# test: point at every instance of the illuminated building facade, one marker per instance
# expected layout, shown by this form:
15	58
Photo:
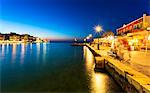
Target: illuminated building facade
27	38
17	37
14	37
136	34
1	37
140	24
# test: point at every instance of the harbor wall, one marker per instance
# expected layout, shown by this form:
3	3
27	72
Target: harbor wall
129	79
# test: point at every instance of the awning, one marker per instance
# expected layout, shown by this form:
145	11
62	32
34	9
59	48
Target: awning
139	33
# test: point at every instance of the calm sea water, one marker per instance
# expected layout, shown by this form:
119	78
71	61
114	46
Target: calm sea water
51	67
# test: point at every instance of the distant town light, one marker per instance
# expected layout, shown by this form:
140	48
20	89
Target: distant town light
75	39
90	35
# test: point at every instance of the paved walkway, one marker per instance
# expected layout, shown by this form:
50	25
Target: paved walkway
140	60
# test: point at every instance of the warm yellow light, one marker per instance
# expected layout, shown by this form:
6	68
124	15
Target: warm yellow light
130	42
84	39
23	48
14	49
98	81
111	37
98	28
149	37
134	40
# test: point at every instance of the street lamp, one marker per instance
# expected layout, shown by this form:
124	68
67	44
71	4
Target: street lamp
90	35
98	29
85	40
75	40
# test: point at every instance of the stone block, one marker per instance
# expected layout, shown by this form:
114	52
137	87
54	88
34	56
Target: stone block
99	63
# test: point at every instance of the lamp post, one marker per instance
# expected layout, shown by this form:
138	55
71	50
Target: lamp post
147	40
75	40
98	29
85	40
90	35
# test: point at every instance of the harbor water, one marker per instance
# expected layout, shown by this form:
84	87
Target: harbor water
51	67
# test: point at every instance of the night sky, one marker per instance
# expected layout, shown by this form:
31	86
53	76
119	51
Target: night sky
61	19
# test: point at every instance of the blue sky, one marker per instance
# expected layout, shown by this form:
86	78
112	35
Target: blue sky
68	18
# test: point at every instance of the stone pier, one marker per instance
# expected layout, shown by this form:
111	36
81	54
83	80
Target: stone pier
128	78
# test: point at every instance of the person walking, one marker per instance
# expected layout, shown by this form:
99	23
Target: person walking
129	54
121	53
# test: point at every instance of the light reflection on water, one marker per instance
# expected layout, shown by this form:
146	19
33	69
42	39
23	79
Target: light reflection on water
7	48
14	52
51	67
99	82
38	45
3	48
23	50
44	52
23	47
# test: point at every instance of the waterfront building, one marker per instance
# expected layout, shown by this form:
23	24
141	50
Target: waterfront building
5	36
1	37
38	40
14	37
31	38
136	33
27	38
138	25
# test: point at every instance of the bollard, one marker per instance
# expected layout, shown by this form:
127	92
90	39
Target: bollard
99	63
98	47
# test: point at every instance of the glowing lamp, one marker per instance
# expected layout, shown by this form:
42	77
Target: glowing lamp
90	35
98	28
87	37
75	39
111	37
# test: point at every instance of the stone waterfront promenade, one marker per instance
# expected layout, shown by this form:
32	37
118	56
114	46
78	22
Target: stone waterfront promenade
133	76
140	60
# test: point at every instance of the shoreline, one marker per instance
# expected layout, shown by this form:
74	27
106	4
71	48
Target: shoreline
127	77
19	42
